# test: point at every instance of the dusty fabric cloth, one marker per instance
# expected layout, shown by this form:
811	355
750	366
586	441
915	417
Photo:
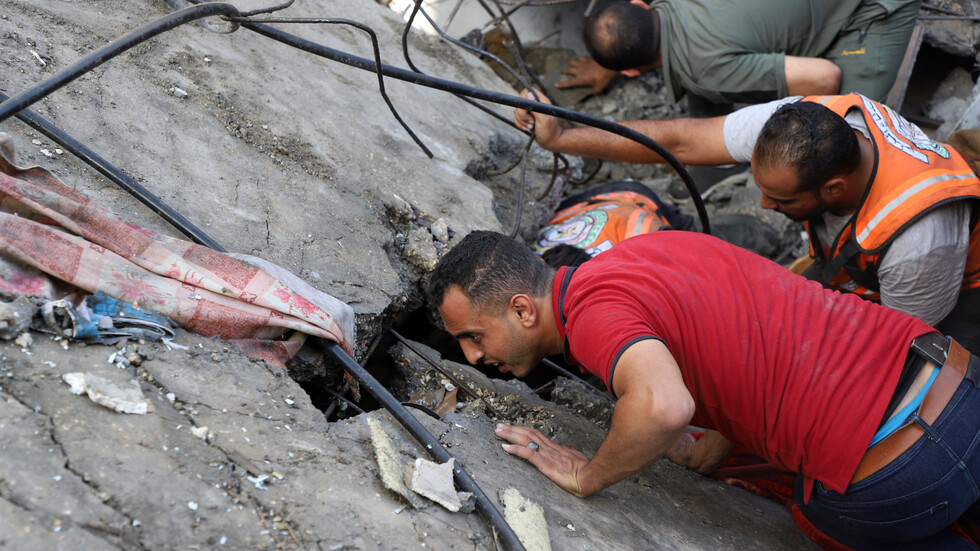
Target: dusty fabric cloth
45	226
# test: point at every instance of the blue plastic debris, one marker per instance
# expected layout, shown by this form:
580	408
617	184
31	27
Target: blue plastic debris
104	319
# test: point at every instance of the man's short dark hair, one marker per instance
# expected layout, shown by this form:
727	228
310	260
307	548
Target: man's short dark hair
815	141
622	36
489	268
565	255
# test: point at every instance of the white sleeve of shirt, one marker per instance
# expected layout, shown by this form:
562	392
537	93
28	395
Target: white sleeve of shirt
921	272
741	128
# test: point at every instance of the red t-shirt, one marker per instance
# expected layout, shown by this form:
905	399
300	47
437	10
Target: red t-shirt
798	374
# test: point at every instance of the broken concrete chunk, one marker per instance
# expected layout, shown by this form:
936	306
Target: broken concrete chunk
527	520
203	433
122	397
440	230
468	501
435	481
389	466
420	251
24	340
400	209
15	317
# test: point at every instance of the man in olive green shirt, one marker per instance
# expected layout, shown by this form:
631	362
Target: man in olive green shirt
750	51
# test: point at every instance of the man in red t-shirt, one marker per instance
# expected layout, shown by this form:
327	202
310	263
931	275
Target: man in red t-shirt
686	329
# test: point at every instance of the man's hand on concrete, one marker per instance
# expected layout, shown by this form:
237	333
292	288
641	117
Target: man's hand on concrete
700	454
546	128
587	73
562	465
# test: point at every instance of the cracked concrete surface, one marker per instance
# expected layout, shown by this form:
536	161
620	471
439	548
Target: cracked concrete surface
273	151
76	475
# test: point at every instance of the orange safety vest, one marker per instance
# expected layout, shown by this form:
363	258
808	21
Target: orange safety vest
601	222
912	176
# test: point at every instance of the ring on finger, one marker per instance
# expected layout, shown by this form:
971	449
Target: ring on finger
533	446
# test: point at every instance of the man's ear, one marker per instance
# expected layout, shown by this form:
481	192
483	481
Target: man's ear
640	3
523	307
632	73
833	189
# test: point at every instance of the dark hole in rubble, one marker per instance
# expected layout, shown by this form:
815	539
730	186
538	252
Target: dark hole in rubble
932	67
409	386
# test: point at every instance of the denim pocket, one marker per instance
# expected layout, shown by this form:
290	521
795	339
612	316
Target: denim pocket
916	526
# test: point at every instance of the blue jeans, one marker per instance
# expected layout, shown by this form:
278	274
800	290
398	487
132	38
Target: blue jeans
909	502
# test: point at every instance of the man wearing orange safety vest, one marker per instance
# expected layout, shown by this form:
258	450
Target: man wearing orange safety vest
891	214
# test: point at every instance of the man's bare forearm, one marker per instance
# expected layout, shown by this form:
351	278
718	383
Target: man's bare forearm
692	141
642	431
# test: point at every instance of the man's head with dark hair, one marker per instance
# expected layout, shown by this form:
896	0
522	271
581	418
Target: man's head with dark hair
565	255
803	147
622	36
489	268
494	296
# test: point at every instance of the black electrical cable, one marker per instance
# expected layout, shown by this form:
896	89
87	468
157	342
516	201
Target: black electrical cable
377	60
21	101
116	176
411	65
32	95
431	444
496	97
473	49
515	46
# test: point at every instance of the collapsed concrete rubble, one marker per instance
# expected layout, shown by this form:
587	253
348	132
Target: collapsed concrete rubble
275	475
296	160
